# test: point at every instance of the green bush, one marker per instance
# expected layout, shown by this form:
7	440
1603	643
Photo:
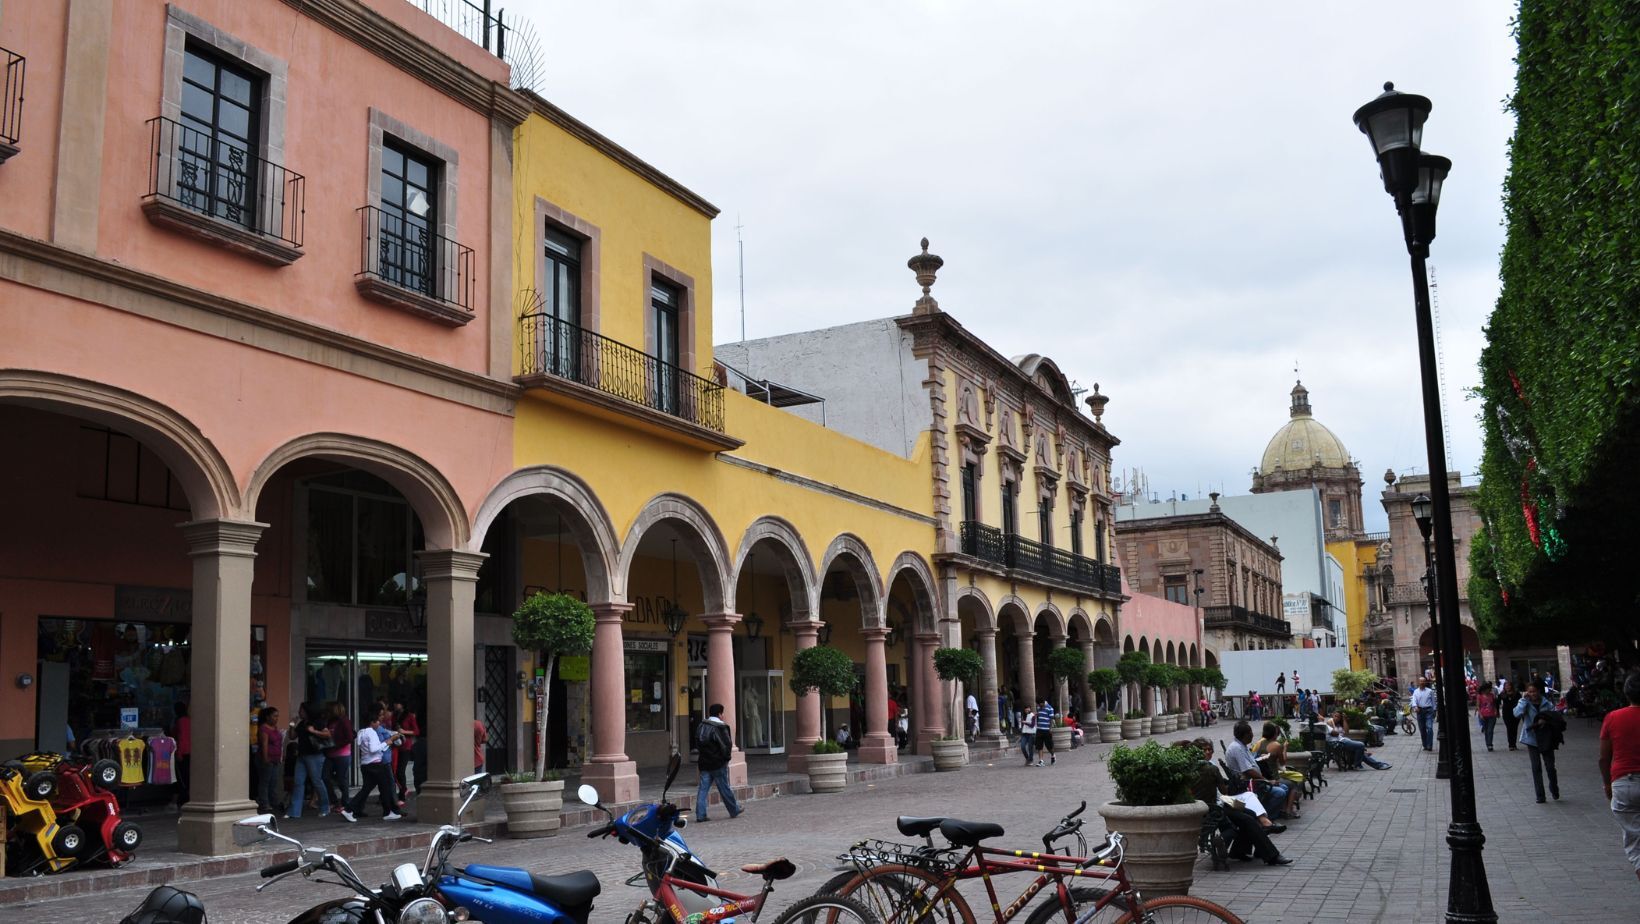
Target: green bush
1348	684
1104	680
1136	714
1213	677
1355	719
1065	663
963	666
1151	774
827	746
554	625
822	669
1282	723
1112	717
1131	667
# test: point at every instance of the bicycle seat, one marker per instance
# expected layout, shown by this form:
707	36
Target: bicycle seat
968	833
773	871
569	890
912	826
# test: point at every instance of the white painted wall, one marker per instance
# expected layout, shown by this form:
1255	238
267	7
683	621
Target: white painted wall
1257	670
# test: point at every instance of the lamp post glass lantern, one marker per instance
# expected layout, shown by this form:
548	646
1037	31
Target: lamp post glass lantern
1393	123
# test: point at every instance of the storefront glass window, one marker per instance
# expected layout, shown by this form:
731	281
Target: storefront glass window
330	552
646	684
361	539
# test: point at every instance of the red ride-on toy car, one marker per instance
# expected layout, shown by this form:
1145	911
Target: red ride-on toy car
82	796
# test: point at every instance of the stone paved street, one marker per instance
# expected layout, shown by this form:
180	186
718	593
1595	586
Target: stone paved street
1370	847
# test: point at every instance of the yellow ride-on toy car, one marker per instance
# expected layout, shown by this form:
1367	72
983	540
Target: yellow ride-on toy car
37	843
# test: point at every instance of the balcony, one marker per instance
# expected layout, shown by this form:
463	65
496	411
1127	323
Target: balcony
221	193
1240	617
1044	562
11	105
611	379
405	265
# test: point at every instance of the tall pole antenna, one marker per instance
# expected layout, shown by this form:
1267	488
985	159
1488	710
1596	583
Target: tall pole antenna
741	244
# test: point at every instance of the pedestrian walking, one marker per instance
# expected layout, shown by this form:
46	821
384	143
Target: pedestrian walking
182	731
1027	736
715	744
404	755
270	761
480	736
310	738
972	714
1508	698
374	767
1423	703
1540	732
1486	709
1255	707
1620	766
1044	732
339	756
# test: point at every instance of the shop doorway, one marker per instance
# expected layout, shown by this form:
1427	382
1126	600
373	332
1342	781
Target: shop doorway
356	676
496	699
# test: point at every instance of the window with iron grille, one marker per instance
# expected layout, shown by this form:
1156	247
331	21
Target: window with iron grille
216	155
561	300
664	300
409	217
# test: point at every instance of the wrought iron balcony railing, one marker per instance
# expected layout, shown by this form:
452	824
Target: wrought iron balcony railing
1021	554
212	177
1240	617
411	257
559	348
11	103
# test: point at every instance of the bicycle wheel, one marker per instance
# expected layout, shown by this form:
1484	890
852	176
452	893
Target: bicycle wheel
900	894
1083	898
1179	909
826	909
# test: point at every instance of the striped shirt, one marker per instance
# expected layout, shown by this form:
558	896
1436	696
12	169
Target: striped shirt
1044	718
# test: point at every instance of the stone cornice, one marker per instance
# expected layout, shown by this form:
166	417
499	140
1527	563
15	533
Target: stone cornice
940	325
404	49
123	288
603	145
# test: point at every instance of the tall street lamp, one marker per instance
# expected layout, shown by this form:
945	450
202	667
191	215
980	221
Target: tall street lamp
1423	511
1394	124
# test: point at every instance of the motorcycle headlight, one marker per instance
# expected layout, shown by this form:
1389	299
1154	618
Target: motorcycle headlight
424	911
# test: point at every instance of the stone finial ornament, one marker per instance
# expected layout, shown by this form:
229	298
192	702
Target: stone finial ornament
1389	476
1096	403
925	265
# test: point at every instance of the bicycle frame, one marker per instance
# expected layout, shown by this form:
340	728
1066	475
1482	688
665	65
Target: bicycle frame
1052	868
734	904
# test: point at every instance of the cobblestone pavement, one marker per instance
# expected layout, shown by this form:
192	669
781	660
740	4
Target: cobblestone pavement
1370	848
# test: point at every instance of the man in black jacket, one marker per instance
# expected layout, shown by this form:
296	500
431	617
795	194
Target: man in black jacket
714	744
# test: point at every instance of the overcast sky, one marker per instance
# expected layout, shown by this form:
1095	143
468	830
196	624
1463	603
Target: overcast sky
1169	199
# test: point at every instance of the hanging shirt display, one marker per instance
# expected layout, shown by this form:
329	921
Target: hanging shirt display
161	762
131	752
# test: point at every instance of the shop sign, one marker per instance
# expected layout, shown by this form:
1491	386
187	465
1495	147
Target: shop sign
128	717
647	611
697	650
575	668
648	644
390	624
153	604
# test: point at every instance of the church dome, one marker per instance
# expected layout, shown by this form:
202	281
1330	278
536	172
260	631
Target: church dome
1303	442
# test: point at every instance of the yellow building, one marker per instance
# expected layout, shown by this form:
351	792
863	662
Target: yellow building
1359	558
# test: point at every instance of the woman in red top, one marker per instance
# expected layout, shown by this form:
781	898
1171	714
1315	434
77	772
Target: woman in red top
402	753
1486	706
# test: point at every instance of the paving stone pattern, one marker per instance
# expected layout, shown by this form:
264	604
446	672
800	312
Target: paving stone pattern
1370	848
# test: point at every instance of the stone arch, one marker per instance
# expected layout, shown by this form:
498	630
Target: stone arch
1156	650
1127	644
1056	618
590	524
797	565
1012	607
1079	621
1195	656
1172	656
1144	645
989	620
443	520
194	460
1104	632
922	588
868	581
700	536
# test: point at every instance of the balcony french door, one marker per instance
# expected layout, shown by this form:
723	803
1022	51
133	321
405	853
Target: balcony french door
216	160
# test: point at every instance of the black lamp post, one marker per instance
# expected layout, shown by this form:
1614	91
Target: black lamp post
1423	513
1394	124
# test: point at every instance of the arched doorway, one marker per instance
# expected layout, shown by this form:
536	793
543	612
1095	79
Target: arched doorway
1080	637
1471	650
774	584
1049	631
1016	668
996	703
850	615
911	623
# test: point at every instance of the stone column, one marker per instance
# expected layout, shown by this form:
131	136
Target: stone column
450	577
721	686
1027	671
223	553
935	705
609	769
990	731
877	747
807	634
1090	709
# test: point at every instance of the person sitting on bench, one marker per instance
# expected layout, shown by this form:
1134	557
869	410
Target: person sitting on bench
1355	752
1282	797
1252	830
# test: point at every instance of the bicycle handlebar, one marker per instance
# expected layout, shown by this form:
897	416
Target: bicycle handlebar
279	869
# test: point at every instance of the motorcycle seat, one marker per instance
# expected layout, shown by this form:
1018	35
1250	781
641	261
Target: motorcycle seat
571	890
968	833
912	826
774	870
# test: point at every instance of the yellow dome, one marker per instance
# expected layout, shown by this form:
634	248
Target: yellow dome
1303	442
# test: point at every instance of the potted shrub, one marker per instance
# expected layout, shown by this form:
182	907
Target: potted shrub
1064	664
827	766
1130	670
552	626
1159	677
1155	811
1110	727
830	673
960	667
1355	721
534	805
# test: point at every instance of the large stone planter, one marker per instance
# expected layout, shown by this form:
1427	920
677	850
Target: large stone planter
1354	735
950	754
829	772
1160	724
1133	729
1110	731
1161	844
1062	736
1177	720
1298	760
533	809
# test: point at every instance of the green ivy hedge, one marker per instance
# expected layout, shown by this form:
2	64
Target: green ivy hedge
1560	373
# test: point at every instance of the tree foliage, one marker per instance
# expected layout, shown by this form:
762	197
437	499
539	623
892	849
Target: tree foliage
1104	680
823	669
1131	667
1560	373
553	625
1065	663
1348	684
962	665
1153	775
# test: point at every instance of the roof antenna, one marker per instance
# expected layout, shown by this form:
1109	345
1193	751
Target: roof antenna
741	244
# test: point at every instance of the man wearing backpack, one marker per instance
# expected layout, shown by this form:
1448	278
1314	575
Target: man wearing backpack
1540	731
714	744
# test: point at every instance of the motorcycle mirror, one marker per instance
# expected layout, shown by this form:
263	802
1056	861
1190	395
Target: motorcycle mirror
672	767
587	793
257	821
477	779
254	830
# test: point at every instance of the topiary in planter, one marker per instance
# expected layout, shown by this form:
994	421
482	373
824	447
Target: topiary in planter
824	670
960	666
552	625
1157	815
